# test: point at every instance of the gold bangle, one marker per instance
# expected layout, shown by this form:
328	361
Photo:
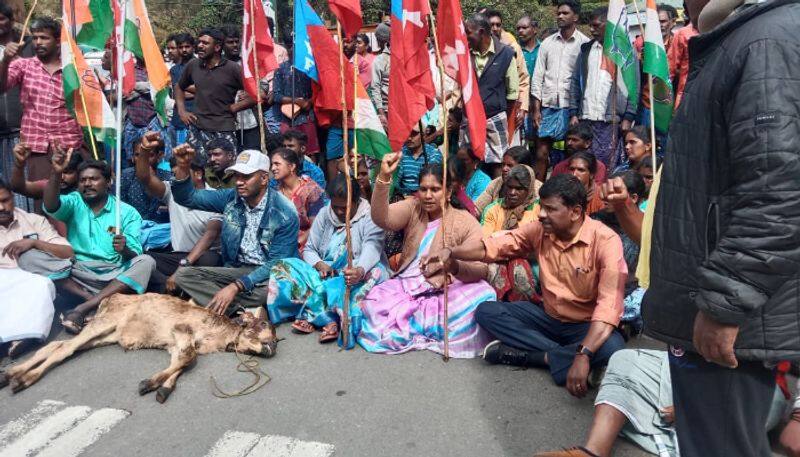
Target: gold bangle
380	181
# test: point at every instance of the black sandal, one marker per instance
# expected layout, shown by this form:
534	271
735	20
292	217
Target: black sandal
73	322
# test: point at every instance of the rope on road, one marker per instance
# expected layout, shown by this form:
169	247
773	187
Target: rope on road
250	365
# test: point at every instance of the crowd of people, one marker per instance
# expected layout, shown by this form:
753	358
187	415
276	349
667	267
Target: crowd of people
544	243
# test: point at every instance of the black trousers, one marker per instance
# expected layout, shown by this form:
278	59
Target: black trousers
721	411
167	264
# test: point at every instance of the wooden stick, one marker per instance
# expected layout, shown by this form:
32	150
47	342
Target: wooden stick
254	53
25	24
348	237
445	147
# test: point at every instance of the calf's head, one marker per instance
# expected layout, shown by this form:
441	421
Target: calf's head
256	338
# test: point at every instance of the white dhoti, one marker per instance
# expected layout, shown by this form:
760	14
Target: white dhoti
26	305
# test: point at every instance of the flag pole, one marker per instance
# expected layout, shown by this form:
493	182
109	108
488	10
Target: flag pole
118	149
254	53
345	330
25	24
445	151
650	84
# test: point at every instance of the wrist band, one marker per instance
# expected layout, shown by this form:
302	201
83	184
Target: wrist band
380	181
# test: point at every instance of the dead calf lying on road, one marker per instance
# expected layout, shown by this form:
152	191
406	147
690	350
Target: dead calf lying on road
151	321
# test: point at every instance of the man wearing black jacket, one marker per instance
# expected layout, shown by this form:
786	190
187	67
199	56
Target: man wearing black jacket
725	248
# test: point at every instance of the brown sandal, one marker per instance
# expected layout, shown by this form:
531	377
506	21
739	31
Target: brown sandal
302	327
330	333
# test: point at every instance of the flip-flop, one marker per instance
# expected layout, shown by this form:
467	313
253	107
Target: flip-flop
73	322
302	327
329	333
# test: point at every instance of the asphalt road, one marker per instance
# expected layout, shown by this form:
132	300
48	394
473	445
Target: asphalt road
361	404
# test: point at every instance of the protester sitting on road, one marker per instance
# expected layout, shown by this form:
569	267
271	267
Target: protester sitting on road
635	402
311	291
35	189
306	195
647	171
583	166
476	179
194	234
517	155
31	255
637	147
221	156
582	271
415	156
108	259
579	139
404	313
632	315
513	278
296	141
259	227
134	193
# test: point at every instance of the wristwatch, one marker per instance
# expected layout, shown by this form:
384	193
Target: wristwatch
585	351
184	262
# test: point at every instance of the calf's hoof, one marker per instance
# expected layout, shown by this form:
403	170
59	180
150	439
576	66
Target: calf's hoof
17	386
3	379
163	393
145	387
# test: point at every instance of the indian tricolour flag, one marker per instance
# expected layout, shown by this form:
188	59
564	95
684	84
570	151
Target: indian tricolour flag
618	48
370	136
83	93
655	63
140	41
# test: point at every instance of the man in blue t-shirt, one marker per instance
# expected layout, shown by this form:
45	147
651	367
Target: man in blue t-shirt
415	156
184	43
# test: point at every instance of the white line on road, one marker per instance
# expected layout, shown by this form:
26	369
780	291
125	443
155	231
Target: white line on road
237	444
20	426
234	444
72	443
46	431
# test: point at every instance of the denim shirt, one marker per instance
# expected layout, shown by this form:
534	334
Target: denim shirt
277	233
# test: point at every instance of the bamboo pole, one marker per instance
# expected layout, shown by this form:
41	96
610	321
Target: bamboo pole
650	85
443	92
118	152
25	24
254	53
349	240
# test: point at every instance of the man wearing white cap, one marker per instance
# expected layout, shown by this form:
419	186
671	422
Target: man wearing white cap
260	226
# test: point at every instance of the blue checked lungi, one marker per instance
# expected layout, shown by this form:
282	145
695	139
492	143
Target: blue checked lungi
555	122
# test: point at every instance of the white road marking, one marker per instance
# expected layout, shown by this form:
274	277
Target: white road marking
46	431
234	444
73	443
20	426
237	444
52	429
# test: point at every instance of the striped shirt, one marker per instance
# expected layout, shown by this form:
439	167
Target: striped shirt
44	111
410	167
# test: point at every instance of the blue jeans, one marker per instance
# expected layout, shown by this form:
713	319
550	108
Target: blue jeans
527	326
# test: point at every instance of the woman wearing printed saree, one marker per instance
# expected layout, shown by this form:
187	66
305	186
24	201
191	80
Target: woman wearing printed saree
311	291
405	313
306	194
513	280
518	155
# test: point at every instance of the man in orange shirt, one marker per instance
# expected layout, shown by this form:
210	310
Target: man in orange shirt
583	273
678	57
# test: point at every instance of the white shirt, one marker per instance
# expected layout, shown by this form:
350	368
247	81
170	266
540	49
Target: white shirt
554	67
186	225
598	86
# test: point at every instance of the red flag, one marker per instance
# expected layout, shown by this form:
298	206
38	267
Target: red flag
328	92
411	90
454	49
256	46
349	14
